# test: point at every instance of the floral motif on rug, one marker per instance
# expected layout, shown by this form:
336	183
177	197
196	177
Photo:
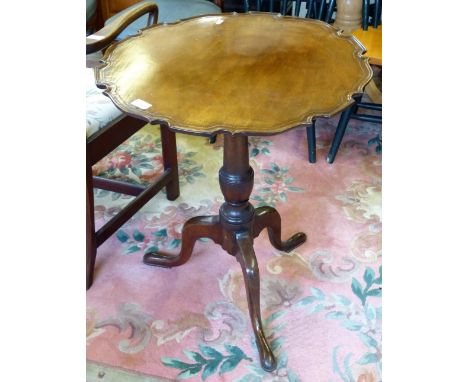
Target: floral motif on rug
321	303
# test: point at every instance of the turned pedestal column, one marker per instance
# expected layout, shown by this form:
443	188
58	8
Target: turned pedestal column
237	224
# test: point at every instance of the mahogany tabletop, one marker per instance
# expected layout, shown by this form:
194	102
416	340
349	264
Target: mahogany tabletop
255	73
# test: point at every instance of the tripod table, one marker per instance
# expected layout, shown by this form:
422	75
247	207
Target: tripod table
237	75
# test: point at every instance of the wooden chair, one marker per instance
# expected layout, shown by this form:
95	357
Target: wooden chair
107	128
316	9
372	40
371	14
169	11
352	113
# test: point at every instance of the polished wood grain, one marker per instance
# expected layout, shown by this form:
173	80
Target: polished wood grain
253	73
371	39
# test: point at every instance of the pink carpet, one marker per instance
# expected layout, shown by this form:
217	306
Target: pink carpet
321	303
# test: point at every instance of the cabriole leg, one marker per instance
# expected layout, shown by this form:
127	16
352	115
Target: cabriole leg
195	228
249	265
268	217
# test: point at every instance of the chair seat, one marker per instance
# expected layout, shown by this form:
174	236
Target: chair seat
170	11
100	111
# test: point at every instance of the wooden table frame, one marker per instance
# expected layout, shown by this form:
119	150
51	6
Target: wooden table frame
238	223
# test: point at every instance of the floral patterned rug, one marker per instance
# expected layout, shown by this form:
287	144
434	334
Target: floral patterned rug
321	304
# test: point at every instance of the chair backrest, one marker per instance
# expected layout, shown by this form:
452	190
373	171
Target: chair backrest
324	10
316	9
371	13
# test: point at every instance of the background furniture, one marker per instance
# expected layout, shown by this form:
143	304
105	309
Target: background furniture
107	127
91	15
352	113
315	9
237	91
371	13
112	7
169	11
348	15
372	40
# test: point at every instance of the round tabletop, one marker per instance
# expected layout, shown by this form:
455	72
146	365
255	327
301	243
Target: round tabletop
256	73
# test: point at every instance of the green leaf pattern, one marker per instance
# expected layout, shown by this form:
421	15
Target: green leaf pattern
207	360
359	316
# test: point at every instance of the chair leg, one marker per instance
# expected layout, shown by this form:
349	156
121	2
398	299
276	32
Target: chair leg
91	247
365	14
169	151
377	12
311	144
340	130
331	9
213	138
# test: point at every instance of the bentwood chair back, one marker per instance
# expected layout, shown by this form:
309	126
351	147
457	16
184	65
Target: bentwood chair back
169	12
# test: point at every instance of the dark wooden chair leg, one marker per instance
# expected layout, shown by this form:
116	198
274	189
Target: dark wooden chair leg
248	261
194	228
91	246
321	10
377	12
213	139
340	130
330	10
283	7
169	151
268	217
311	144
365	14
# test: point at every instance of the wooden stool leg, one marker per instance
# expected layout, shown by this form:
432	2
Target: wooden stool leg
91	247
248	261
169	152
311	144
